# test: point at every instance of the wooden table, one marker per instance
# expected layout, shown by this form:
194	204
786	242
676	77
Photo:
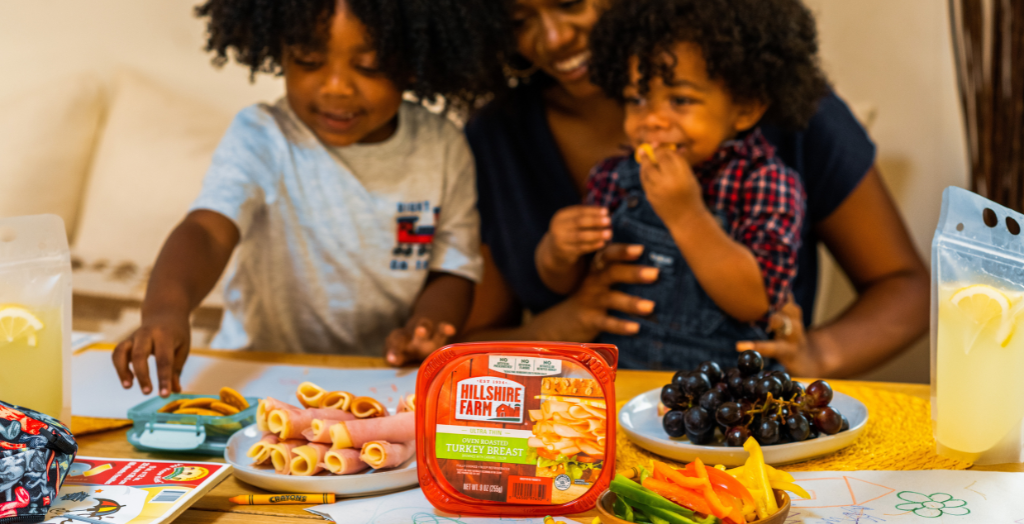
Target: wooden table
215	508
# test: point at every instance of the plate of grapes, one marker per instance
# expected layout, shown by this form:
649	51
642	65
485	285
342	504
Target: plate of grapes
709	412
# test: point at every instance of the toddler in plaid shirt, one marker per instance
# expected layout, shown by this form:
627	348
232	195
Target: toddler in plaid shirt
716	211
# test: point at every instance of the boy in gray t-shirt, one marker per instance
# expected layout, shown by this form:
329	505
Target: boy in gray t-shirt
352	213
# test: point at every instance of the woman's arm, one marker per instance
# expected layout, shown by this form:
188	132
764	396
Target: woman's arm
867	237
497	315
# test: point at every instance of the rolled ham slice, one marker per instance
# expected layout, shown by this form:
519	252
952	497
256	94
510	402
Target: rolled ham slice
281	455
407	403
337	400
366	407
265	407
309	394
309	459
290	423
355	433
260	451
344	461
320	429
379	454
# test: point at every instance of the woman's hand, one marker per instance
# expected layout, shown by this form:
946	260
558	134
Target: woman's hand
584	315
790	346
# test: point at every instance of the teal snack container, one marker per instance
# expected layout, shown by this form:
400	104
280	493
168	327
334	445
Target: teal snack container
196	434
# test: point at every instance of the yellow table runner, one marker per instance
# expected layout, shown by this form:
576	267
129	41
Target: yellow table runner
898	437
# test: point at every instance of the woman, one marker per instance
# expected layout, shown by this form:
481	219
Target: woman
535	146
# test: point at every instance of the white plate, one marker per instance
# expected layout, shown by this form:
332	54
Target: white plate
639	419
366	483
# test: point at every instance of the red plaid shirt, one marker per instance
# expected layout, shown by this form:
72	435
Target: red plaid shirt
760	199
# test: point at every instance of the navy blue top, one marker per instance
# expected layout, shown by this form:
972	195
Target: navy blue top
522	181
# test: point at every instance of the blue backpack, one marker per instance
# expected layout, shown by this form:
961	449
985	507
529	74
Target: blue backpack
36	452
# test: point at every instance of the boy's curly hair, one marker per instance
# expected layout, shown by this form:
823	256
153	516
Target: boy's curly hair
430	47
764	50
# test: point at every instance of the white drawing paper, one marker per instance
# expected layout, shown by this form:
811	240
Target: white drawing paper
97	392
404	507
937	496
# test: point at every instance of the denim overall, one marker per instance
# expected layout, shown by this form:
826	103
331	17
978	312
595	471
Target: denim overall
686	326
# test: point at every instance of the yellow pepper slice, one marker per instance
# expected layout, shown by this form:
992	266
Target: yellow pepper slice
791	487
758	473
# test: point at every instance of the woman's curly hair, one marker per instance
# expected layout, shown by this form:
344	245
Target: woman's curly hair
429	47
764	50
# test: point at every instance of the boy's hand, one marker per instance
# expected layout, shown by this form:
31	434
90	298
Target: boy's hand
578	230
416	340
669	183
168	337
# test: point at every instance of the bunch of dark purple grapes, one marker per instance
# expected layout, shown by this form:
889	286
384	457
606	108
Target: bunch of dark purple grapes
708	405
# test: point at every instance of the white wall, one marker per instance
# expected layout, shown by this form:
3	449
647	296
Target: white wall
897	58
892	57
45	40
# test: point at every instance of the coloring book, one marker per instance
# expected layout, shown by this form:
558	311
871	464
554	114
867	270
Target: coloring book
123	491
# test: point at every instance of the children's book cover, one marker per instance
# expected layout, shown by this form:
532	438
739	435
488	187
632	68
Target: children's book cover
123	491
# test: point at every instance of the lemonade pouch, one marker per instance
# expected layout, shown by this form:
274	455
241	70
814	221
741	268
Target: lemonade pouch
35	315
977	330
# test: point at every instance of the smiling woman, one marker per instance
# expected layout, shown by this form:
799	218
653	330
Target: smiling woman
536	144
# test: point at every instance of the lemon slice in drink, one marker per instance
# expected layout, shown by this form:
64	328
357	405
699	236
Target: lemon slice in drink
17	322
982	304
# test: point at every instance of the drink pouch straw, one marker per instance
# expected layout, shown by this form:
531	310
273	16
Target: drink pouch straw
977	330
35	315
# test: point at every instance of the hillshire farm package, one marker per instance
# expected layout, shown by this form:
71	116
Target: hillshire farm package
509	428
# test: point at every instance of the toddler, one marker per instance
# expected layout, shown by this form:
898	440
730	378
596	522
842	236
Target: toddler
715	210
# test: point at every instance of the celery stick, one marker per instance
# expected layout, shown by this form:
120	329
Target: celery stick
622	510
670	516
624	487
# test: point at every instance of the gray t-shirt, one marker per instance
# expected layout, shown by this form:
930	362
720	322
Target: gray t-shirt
336	243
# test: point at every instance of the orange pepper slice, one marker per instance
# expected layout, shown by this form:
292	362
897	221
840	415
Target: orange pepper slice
721	511
687	498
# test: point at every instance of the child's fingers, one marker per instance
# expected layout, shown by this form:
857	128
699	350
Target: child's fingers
121	358
397	344
142	347
441	336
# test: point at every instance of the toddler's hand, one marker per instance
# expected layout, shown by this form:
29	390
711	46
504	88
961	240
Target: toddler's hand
168	337
415	341
669	183
578	230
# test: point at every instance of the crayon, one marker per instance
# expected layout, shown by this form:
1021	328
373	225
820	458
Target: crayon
285	498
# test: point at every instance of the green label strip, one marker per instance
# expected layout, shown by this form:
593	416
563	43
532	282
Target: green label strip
485	449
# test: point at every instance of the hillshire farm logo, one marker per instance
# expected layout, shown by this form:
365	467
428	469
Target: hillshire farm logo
490	399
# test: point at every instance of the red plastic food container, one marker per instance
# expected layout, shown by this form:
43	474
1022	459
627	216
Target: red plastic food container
516	428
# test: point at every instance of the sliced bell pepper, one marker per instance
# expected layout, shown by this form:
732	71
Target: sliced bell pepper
683	496
676	477
791	487
736	515
725	481
720	510
759	475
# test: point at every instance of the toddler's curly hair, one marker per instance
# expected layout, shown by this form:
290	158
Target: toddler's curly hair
429	47
764	50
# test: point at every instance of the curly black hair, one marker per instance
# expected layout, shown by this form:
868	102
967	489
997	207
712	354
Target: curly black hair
764	50
429	47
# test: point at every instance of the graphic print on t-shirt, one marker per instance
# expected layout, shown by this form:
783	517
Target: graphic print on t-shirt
415	224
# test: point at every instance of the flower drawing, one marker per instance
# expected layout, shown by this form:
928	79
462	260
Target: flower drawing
932	506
